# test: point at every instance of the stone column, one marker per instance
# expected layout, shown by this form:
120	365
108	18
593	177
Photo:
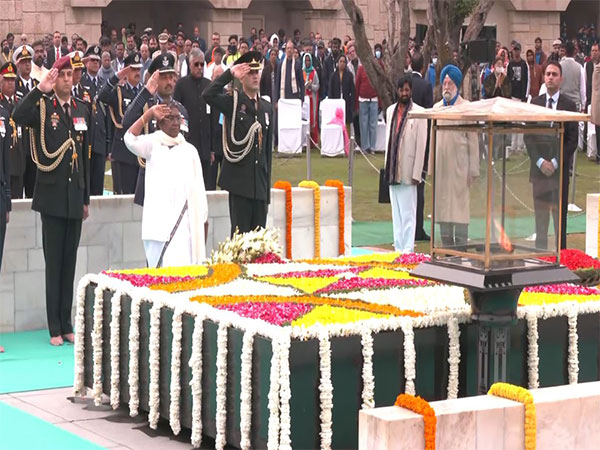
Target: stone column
226	18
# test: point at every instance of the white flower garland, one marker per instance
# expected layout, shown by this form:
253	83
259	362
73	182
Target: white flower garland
79	350
368	391
533	359
573	360
410	357
274	403
221	413
285	392
154	385
246	390
453	357
97	344
195	364
134	355
175	389
115	355
326	390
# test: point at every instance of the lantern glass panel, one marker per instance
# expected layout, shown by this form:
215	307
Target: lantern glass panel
497	194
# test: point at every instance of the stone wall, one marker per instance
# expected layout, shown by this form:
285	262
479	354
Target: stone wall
111	239
566	418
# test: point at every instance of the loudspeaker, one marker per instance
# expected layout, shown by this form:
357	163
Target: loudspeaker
480	50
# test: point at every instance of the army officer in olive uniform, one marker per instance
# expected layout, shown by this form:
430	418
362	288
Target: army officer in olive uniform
248	119
59	123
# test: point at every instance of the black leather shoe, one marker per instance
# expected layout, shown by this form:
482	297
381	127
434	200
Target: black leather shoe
423	237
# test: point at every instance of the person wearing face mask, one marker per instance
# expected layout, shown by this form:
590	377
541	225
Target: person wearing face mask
497	83
378	51
406	140
430	76
232	51
456	167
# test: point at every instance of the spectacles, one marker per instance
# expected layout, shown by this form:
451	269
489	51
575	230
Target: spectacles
197	64
173	118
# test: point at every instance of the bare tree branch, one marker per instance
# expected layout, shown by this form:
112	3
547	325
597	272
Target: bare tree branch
477	20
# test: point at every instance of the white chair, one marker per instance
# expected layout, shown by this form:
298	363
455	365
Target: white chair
380	143
289	125
591	137
332	136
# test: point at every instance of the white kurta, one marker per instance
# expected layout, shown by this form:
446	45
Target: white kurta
173	176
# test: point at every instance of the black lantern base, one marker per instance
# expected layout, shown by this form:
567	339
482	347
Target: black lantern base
494	296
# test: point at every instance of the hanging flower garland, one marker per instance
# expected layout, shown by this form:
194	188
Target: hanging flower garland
175	388
368	392
453	357
573	358
115	356
153	388
195	363
533	359
287	187
317	200
246	391
97	344
221	390
410	357
325	390
341	213
521	395
134	356
421	406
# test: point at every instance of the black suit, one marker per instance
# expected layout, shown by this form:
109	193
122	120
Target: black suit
15	151
249	180
545	188
329	67
188	91
51	56
124	164
87	90
5	148
60	195
422	95
297	68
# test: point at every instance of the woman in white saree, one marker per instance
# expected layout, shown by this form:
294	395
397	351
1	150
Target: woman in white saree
174	219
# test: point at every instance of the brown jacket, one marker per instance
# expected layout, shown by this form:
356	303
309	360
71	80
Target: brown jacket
596	96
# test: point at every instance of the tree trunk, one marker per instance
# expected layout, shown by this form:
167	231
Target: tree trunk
383	79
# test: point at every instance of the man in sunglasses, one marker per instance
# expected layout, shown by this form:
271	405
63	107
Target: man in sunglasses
158	89
188	91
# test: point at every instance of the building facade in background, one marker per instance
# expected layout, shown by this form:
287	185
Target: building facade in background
522	20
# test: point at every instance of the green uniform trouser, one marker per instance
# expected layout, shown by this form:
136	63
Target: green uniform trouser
246	213
60	239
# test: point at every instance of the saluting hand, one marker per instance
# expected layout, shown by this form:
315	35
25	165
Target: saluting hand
239	71
159	112
152	83
48	80
122	74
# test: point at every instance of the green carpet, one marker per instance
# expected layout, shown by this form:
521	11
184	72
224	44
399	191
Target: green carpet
376	233
30	363
20	430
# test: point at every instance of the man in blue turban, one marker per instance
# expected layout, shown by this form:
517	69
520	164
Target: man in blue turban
456	167
451	79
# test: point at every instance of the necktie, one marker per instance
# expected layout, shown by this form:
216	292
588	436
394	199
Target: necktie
550	102
74	92
67	115
57	53
95	82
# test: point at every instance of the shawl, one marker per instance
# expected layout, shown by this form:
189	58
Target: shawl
391	164
283	74
339	120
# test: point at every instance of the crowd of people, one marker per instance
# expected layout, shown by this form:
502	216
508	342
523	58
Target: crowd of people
156	103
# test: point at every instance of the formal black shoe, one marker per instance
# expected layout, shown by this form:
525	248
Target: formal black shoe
423	237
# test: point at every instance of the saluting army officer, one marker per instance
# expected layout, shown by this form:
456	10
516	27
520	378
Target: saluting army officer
25	83
91	83
118	92
247	137
59	123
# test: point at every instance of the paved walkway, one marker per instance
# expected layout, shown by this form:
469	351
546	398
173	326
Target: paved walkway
101	425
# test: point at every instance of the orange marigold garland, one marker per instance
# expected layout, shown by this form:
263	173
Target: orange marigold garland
521	395
341	211
421	406
317	196
217	274
287	187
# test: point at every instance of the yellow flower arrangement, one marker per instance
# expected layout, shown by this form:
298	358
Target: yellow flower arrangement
326	314
543	298
183	271
382	272
308	285
218	274
317	196
521	395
